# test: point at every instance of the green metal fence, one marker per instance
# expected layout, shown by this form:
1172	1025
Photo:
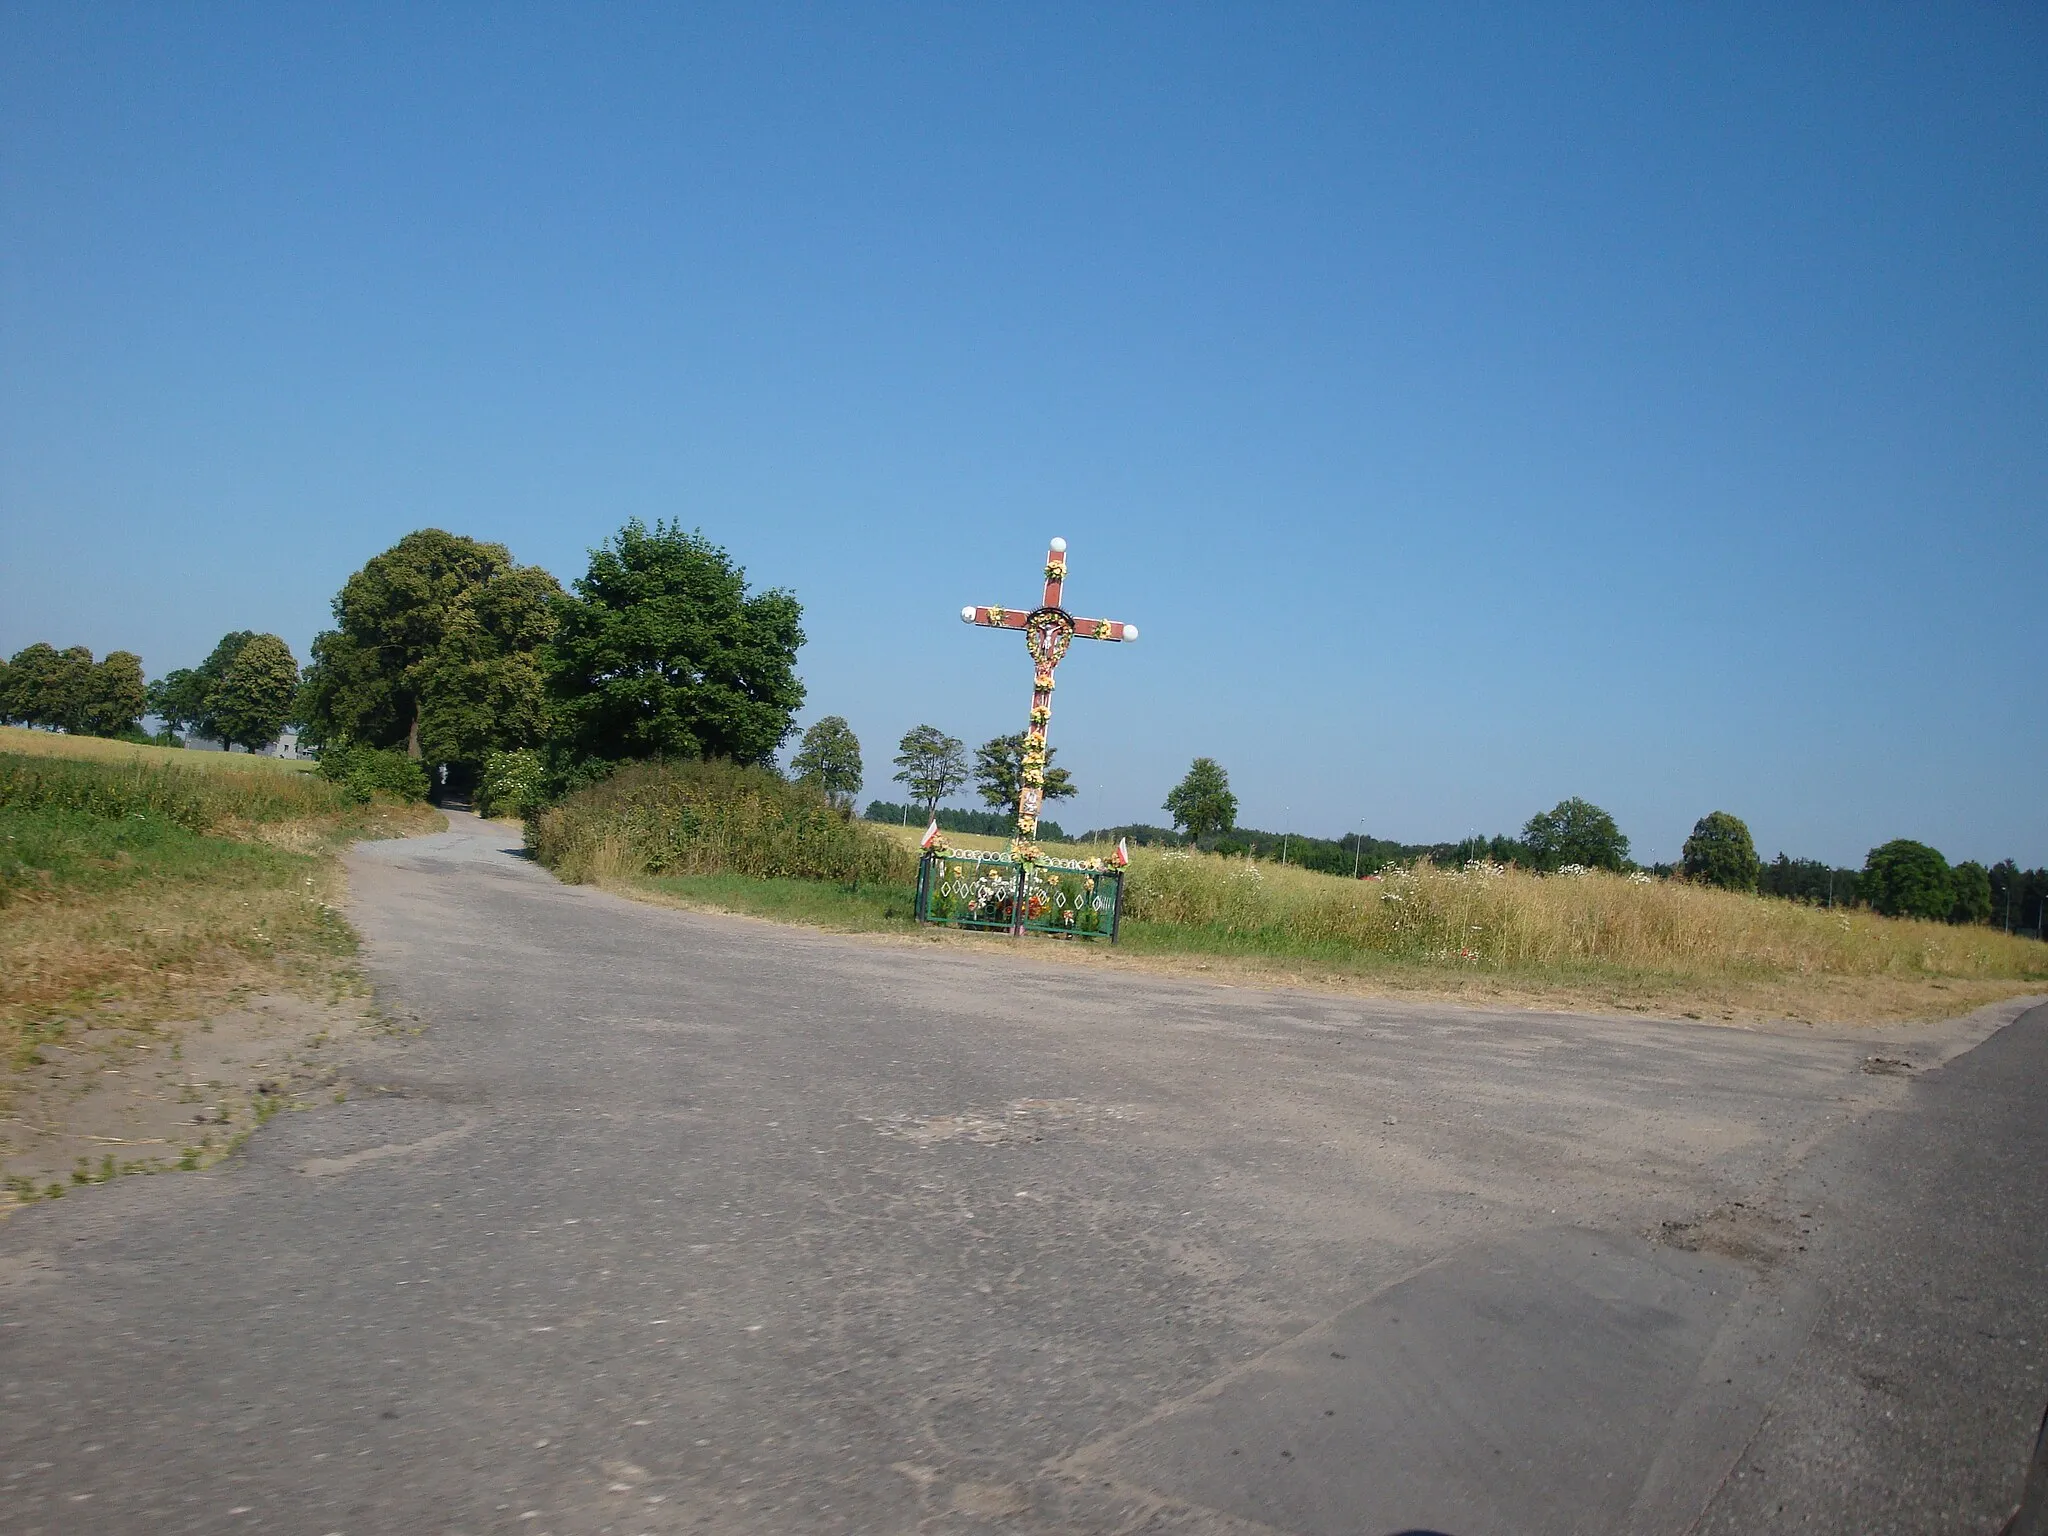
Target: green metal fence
995	893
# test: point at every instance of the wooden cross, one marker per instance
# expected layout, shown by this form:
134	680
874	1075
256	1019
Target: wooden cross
1048	630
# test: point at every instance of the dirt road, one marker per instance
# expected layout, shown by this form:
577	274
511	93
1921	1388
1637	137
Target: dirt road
655	1222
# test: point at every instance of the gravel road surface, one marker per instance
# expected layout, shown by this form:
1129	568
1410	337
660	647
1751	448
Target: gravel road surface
649	1221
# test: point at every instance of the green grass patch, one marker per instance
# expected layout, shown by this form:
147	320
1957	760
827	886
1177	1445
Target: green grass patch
196	799
164	888
56	852
815	903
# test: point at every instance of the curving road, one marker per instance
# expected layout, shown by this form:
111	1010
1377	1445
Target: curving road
649	1221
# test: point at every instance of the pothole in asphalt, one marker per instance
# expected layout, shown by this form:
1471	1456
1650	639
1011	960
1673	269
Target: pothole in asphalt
1022	1120
1734	1231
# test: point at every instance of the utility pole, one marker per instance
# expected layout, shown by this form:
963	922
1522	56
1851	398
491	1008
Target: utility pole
1357	850
1286	815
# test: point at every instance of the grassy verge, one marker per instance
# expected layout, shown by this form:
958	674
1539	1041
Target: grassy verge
1215	954
1726	995
1484	936
140	887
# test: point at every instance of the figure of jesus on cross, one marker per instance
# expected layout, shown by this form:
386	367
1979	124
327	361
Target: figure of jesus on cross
1048	630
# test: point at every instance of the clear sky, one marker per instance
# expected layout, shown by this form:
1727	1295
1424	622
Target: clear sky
1472	406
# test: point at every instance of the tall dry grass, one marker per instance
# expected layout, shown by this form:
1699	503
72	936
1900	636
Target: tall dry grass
1486	917
21	741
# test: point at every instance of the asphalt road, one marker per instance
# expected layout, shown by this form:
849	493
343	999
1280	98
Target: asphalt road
656	1222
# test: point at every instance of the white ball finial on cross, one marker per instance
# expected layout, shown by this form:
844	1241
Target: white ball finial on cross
1059	546
1130	631
966	615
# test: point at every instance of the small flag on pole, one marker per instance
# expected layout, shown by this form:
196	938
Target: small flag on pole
1122	856
931	834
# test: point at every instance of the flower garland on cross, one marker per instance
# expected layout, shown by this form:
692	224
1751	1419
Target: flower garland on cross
1048	630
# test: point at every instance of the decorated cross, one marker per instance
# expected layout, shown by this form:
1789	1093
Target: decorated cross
1048	630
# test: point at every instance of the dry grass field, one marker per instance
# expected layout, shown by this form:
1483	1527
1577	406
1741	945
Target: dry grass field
21	742
142	883
1487	933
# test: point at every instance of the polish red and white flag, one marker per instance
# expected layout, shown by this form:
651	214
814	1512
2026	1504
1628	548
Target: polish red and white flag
931	834
1122	856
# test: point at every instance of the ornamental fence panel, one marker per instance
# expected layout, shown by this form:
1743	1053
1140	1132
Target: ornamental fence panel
1004	895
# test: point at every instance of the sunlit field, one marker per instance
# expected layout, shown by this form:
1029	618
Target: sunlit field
1628	941
152	881
28	743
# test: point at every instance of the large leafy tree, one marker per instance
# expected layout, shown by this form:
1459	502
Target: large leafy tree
436	650
178	698
34	684
185	699
1972	886
1903	878
829	757
930	764
999	773
662	651
209	673
1201	804
116	699
1575	831
68	688
1721	852
253	698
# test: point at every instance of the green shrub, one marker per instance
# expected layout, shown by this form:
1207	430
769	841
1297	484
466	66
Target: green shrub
513	784
704	818
361	770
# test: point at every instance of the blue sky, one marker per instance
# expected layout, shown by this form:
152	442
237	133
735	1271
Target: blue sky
1473	406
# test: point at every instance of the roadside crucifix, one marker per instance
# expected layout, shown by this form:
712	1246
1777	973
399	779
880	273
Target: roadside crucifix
1048	630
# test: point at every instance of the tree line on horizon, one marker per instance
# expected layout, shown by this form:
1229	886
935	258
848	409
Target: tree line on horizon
446	651
954	819
1900	878
242	695
67	690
